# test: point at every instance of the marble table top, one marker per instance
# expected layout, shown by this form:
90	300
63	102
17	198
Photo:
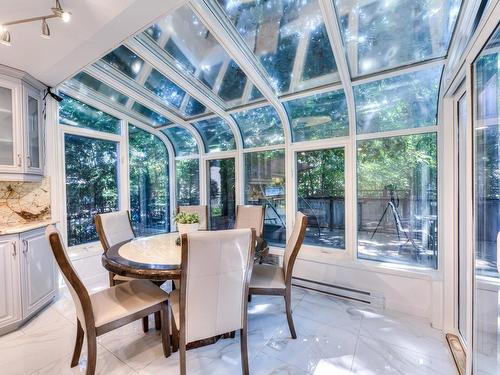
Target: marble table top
160	249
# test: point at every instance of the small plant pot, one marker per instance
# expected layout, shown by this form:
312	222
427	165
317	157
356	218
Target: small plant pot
187	228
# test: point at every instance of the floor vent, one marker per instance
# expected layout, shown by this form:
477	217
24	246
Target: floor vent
361	296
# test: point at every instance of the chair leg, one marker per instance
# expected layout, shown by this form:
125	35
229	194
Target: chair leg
175	336
78	344
244	351
91	353
288	306
182	354
145	324
111	279
165	329
157	320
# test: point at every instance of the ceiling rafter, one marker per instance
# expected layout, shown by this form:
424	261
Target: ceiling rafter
226	34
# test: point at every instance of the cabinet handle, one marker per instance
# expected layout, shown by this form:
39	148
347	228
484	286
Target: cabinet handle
19	160
26	247
29	160
14	248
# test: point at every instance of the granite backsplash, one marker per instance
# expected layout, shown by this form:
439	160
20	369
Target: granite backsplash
24	202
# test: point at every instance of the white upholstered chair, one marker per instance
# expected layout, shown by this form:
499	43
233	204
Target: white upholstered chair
212	299
201	210
274	280
248	216
108	309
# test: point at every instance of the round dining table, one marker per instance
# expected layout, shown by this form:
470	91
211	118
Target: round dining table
155	258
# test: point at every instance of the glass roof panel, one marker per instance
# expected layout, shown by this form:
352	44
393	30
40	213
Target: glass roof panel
96	85
184	37
125	61
183	141
404	101
318	116
216	135
153	118
289	38
384	34
260	127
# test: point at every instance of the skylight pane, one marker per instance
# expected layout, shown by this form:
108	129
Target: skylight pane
278	32
216	135
318	116
384	34
404	101
186	39
260	127
152	117
165	89
125	61
96	85
183	141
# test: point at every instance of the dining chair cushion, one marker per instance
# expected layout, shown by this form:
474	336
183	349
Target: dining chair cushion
116	227
124	300
266	276
250	217
201	210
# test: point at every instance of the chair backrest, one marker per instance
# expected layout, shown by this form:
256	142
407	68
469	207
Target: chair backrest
293	245
216	271
201	210
113	228
76	288
250	217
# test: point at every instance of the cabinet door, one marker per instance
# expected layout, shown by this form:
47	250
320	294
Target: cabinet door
33	131
10	150
10	289
39	276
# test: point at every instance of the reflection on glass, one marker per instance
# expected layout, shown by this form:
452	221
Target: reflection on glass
101	87
187	172
397	200
34	133
321	196
318	116
260	127
153	118
125	61
486	158
148	172
195	50
382	34
216	135
91	184
278	32
182	140
221	190
404	101
265	186
75	113
6	127
164	88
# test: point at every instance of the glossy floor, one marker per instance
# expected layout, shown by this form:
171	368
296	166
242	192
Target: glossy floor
335	337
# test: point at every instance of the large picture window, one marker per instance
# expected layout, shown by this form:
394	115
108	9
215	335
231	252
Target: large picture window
321	196
222	200
265	185
397	200
187	174
91	184
149	194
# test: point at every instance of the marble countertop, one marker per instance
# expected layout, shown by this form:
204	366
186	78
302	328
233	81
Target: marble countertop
20	228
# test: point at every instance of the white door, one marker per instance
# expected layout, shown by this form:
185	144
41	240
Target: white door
39	276
10	289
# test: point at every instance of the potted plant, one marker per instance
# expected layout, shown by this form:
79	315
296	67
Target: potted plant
187	222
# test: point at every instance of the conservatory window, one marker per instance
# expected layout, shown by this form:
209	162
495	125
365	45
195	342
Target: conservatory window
100	87
380	35
285	35
318	116
182	140
260	127
125	61
91	184
222	194
151	117
76	113
397	200
149	185
187	172
265	186
321	196
405	101
216	135
164	88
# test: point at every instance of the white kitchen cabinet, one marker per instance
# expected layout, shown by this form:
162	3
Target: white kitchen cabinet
10	288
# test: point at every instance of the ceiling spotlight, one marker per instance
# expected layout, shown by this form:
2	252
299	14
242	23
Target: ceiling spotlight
4	37
59	12
45	30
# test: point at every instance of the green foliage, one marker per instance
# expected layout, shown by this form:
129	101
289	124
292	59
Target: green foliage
187	218
188	181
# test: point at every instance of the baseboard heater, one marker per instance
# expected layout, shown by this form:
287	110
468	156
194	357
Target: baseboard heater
369	298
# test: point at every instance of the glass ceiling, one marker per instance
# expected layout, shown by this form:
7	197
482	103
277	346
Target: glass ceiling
293	52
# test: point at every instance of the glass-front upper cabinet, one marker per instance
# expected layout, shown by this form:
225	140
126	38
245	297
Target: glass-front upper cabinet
8	156
33	131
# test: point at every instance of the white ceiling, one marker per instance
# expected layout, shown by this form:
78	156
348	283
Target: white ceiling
96	27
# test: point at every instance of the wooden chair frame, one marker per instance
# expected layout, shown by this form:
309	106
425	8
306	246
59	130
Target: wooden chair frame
92	331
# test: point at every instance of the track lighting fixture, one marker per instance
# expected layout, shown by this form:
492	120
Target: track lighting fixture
57	12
